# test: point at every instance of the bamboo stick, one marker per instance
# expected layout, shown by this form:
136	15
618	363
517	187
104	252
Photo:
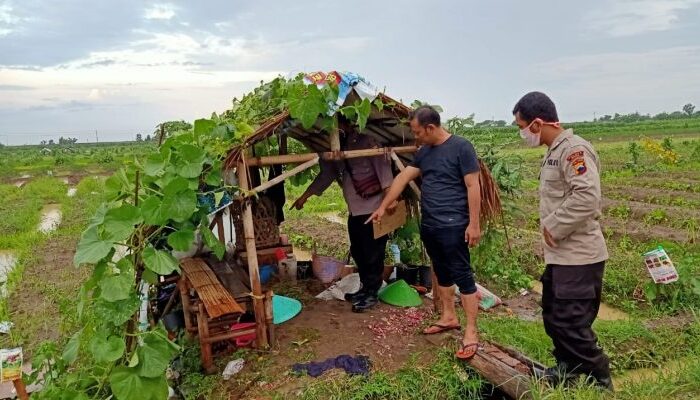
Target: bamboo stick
274	181
253	271
328	155
401	167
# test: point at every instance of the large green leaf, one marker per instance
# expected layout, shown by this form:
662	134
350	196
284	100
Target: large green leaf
155	354
181	206
127	384
192	154
117	312
91	248
159	261
181	240
70	352
118	287
152	211
214	176
106	349
119	222
363	111
176	185
203	127
212	242
306	103
119	183
189	170
154	165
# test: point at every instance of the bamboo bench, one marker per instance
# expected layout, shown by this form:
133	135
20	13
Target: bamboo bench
208	307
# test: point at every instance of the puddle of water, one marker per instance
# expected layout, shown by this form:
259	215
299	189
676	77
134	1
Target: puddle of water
71	192
650	374
50	218
605	313
7	264
301	254
334	217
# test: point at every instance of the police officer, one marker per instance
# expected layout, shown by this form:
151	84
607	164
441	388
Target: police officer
574	246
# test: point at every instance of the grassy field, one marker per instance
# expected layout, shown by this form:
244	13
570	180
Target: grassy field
649	201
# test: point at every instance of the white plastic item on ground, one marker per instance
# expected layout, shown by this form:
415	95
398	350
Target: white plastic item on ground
486	298
5	326
232	368
349	284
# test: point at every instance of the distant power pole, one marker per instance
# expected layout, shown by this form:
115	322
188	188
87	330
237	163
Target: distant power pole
97	138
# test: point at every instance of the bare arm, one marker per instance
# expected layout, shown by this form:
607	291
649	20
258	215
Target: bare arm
397	187
473	232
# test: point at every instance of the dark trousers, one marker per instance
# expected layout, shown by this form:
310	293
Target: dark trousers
449	254
570	303
367	252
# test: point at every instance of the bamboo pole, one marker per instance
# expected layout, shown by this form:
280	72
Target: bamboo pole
401	167
328	155
269	317
334	139
276	180
253	271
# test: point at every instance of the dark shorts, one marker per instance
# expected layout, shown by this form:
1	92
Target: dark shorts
450	256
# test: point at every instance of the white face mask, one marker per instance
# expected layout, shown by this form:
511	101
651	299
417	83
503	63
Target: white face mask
530	139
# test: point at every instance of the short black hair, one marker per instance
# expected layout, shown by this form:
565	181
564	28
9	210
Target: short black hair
536	105
425	115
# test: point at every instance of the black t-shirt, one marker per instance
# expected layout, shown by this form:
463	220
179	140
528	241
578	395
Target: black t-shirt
443	191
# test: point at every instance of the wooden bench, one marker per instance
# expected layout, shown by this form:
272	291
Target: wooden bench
209	308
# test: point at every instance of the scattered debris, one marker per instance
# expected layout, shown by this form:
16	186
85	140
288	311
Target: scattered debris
400	321
5	326
71	192
232	368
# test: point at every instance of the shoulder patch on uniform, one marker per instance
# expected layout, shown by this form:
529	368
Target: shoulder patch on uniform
575	155
579	166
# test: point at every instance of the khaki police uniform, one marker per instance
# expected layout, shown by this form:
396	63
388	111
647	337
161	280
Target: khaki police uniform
570	205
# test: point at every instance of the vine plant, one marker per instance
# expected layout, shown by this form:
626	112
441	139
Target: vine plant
153	209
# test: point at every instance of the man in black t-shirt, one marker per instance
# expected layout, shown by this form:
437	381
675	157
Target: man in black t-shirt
450	206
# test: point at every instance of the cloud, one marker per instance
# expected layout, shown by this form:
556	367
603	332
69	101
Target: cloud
8	19
623	81
160	11
15	87
633	17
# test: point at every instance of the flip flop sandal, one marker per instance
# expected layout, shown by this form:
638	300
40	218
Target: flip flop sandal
467	351
441	328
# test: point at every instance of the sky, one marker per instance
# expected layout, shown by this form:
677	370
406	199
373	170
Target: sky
112	68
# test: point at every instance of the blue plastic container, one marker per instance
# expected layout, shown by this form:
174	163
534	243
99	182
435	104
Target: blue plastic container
266	272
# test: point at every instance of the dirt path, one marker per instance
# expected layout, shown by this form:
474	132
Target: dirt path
43	303
325	329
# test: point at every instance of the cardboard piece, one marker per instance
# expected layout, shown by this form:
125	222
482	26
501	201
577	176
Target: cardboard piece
391	222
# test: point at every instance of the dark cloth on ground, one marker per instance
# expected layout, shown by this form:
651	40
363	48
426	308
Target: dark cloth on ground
450	256
358	365
570	302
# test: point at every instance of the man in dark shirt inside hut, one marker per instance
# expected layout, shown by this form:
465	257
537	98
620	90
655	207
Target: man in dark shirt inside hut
450	206
364	181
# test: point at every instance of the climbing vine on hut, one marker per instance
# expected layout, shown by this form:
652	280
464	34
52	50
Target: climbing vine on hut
156	205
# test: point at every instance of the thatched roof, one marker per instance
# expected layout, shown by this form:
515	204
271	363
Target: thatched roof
389	127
